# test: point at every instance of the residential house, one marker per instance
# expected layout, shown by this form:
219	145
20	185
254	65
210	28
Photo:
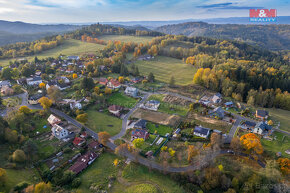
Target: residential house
72	103
205	100
145	57
217	112
201	131
152	105
249	125
139	133
59	132
140	124
114	84
33	100
5	83
229	104
136	80
103	81
34	81
38	73
78	141
83	162
52	120
262	114
94	145
262	128
73	57
21	81
6	91
217	98
115	110
131	91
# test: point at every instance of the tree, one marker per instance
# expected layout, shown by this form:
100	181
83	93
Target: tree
215	140
11	135
74	76
97	90
83	118
172	81
6	74
30	148
103	137
251	143
87	83
284	164
42	187
25	110
236	144
191	152
137	143
54	94
42	85
121	79
108	91
45	102
76	182
19	156
3	177
171	152
151	77
270	122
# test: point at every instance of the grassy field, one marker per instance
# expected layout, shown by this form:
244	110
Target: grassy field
16	176
123	38
103	122
161	129
279	145
282	116
69	47
98	172
122	100
12	101
164	67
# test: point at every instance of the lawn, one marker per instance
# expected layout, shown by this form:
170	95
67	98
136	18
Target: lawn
69	47
16	176
12	101
282	116
164	67
124	38
102	122
279	145
98	172
46	147
122	100
161	129
138	173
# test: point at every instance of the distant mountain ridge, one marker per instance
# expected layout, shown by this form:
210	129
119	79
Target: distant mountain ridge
273	37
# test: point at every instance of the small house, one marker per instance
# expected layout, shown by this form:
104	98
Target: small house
34	81
229	104
5	83
262	128
6	91
78	141
262	114
217	98
115	110
83	162
33	100
140	124
94	145
73	57
103	81
217	112
139	133
136	80
131	91
152	105
248	125
114	84
52	120
59	132
201	131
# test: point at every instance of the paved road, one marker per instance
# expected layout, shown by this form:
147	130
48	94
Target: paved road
125	119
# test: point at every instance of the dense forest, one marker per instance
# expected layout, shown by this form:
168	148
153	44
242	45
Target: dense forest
274	37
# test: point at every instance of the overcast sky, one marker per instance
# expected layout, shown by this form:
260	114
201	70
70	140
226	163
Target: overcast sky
81	11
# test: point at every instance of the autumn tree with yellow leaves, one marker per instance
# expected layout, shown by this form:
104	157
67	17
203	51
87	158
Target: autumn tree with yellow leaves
251	143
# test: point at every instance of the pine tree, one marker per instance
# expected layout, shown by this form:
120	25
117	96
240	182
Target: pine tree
172	81
151	77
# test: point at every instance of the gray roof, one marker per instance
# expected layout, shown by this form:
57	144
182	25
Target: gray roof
201	130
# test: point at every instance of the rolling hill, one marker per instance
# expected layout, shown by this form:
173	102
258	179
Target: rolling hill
273	37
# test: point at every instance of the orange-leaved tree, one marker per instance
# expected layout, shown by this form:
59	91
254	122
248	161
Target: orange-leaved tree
284	164
251	143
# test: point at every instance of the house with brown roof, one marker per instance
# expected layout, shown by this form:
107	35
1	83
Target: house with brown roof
115	110
78	141
262	114
83	162
114	84
6	91
139	133
103	81
52	120
94	145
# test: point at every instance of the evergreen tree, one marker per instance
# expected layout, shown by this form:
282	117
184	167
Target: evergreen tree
172	81
151	77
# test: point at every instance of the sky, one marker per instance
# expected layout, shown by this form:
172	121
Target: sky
88	11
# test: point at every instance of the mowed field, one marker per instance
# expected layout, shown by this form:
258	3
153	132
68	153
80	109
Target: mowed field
69	47
164	67
282	116
124	38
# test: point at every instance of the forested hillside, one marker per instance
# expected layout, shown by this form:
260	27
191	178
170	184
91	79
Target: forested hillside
233	68
274	37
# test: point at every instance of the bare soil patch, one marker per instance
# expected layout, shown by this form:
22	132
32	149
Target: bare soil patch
157	117
175	100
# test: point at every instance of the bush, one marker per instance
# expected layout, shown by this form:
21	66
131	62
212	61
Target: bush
76	183
67	150
22	185
19	156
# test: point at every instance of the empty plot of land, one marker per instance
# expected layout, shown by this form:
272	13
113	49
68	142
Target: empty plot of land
157	117
69	47
164	68
124	38
175	100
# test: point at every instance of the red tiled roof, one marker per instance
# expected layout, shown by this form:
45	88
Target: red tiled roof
115	108
77	140
115	82
83	162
